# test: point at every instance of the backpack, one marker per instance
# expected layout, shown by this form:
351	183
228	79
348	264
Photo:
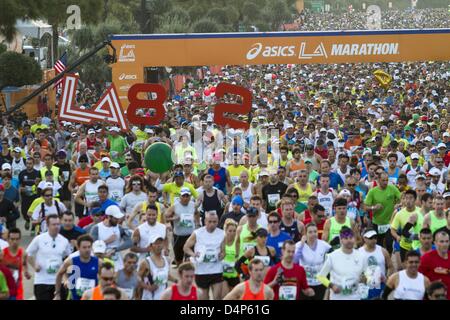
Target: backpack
58	210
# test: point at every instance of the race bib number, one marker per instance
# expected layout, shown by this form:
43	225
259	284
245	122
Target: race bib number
228	267
83	284
349	286
66	176
265	260
235	181
186	220
382	229
116	196
53	266
211	256
273	199
248	246
287	293
128	292
161	278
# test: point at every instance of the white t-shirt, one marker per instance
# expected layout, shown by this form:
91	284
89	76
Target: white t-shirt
56	186
3	244
49	254
345	271
130	200
37	213
116	187
311	259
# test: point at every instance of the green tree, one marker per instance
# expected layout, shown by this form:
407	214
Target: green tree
18	70
251	11
173	25
11	10
205	26
219	15
3	48
278	13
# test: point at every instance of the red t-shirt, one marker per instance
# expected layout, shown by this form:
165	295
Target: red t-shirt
295	277
308	219
16	262
436	268
9	280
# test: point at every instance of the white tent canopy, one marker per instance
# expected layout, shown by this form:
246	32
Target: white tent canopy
33	28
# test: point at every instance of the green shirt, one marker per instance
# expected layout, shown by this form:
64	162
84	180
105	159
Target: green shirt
118	144
387	198
399	222
3	284
124	171
313	177
300	207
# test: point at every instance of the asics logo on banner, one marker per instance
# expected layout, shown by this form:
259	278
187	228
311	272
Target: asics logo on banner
270	51
124	76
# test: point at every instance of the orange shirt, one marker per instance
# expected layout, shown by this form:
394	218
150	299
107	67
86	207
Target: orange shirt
81	176
249	295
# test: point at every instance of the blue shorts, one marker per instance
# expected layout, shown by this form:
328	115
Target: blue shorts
375	293
396	246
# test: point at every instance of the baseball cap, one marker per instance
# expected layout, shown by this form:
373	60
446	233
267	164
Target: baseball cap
155	238
345	192
435	172
369	233
446	194
106	159
99	246
73	134
114	211
420	176
237	200
429	139
415	156
308	161
446	134
261	232
252	212
90	131
323	130
263	173
185	191
61	154
17	149
441	145
116	129
178	174
114	165
6	166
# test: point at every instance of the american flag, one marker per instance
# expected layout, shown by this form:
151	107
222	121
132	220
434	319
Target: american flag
60	66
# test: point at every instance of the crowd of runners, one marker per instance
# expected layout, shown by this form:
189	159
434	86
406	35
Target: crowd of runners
350	201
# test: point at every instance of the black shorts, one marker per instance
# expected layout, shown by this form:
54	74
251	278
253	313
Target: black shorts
204	281
178	244
65	195
44	291
232	282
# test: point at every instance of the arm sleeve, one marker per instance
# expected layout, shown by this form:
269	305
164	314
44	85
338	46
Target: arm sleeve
387	291
405	231
326	268
94	232
238	264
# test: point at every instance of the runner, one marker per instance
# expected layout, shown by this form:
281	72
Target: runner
45	254
185	288
276	237
230	275
205	246
185	219
304	188
244	238
435	265
135	193
78	178
154	271
29	178
288	224
325	195
436	218
66	169
49	207
378	262
13	258
146	231
115	183
87	194
254	288
408	284
344	276
106	280
117	239
310	253
272	192
211	199
84	270
127	278
437	291
286	278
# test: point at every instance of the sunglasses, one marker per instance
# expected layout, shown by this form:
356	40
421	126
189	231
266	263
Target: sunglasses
108	278
439	296
351	185
294	196
48	195
136	184
273	221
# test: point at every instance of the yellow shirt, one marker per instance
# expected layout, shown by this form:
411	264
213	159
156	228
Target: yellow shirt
174	191
235	173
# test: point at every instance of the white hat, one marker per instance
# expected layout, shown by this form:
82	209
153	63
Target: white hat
264	173
288	126
6	166
114	211
323	130
106	159
435	172
99	246
73	134
90	131
369	234
116	129
148	130
446	134
441	145
114	165
429	139
420	176
415	156
345	192
17	149
154	238
185	191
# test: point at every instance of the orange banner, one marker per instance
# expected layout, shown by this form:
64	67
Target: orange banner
138	51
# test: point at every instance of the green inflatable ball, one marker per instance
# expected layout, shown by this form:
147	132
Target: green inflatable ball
158	158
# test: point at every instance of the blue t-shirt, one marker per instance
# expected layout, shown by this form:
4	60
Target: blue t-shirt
104	174
12	194
335	180
277	242
14	182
